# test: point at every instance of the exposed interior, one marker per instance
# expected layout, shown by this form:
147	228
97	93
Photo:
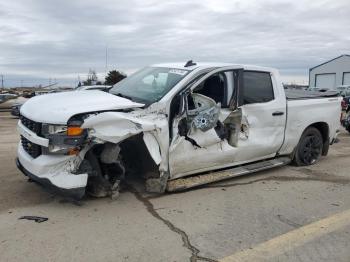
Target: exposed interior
137	159
203	110
108	164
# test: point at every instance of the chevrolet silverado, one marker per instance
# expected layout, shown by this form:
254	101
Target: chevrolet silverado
176	126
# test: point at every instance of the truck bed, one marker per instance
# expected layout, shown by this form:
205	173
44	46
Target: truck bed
305	108
304	94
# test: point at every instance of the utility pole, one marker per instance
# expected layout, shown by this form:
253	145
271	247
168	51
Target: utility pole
106	61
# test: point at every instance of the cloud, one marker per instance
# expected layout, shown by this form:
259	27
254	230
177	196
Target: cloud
41	40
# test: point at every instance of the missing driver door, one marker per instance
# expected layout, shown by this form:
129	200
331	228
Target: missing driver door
206	132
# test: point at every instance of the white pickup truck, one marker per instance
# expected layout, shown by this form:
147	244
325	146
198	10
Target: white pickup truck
172	125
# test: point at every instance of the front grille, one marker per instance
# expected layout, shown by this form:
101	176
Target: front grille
32	149
31	125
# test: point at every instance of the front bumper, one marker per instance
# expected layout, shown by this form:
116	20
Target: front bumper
53	172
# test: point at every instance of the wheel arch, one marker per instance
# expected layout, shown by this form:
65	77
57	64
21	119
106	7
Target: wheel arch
323	127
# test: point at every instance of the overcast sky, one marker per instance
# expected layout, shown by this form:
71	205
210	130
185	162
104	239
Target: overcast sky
63	39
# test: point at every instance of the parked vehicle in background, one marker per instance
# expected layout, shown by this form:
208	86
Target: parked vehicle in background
15	110
8	102
104	88
345	102
346	121
5	97
173	124
346	99
343	88
28	94
46	92
18	102
344	91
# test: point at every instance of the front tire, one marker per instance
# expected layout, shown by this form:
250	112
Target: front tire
309	149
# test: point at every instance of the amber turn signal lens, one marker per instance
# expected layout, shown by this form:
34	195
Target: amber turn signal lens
73	151
74	131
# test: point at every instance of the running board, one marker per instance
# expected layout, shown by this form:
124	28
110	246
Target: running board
198	180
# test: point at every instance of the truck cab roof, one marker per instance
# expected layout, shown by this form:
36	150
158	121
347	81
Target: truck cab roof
205	65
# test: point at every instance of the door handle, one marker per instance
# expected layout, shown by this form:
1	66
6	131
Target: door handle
278	113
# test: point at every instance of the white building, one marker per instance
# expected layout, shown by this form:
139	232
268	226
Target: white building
333	73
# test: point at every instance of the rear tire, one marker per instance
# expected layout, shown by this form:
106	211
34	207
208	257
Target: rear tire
310	147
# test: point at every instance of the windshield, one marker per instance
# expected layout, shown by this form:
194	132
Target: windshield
149	84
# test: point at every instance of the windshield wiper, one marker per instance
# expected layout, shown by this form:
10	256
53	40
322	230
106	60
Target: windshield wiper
134	99
124	96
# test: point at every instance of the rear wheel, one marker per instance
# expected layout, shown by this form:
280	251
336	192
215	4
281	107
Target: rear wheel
310	147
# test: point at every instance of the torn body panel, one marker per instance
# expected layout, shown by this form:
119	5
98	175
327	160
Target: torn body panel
207	119
209	137
205	114
153	147
114	130
116	127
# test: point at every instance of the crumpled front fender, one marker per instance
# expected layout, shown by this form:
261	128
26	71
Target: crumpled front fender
115	127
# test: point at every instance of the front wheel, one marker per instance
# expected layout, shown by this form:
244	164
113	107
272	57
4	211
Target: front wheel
310	147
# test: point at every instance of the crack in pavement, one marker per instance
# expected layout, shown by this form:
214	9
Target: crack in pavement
311	176
310	172
185	239
288	221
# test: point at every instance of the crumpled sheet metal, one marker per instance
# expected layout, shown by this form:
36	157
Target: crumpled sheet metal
244	134
205	139
115	127
153	147
207	119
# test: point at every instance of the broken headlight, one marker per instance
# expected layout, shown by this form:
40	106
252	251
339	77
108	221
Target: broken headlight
56	129
64	139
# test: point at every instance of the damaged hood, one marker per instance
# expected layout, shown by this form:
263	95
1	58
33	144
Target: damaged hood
59	107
